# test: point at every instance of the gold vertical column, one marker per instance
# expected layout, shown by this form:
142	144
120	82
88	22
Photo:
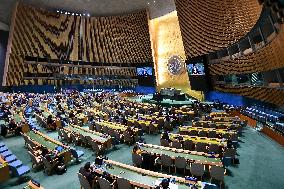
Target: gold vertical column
9	46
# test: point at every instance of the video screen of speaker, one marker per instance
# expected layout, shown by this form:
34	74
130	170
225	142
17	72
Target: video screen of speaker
196	69
197	74
145	71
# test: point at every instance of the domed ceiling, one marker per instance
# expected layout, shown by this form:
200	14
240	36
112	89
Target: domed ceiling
156	8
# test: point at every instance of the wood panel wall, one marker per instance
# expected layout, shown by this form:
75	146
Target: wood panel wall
267	58
210	25
113	39
270	95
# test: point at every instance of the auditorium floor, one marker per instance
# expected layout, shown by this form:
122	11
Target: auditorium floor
261	163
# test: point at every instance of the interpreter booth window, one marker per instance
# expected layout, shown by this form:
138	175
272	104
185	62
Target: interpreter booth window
228	79
256	79
272	78
241	79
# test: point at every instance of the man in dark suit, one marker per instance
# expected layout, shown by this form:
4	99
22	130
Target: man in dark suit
87	172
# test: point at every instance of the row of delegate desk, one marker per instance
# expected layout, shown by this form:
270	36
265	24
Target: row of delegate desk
20	121
101	139
43	140
195	139
224	129
185	130
191	156
140	177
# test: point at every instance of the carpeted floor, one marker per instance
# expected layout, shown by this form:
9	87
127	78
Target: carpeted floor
261	163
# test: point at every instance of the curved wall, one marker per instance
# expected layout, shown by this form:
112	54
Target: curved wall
267	58
210	25
114	39
44	34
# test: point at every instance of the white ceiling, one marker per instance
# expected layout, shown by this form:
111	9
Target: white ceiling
156	8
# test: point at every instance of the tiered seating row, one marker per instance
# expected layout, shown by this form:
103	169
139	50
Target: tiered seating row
270	95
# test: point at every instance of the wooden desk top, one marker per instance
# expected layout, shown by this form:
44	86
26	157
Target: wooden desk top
140	177
199	157
3	163
32	186
219	131
195	139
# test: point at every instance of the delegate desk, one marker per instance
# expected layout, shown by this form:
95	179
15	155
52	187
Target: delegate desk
141	122
195	139
32	186
184	130
115	126
43	119
20	121
50	144
189	113
82	118
156	118
99	113
100	138
216	125
191	156
226	119
140	177
4	170
219	114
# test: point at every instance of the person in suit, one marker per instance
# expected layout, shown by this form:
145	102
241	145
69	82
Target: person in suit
107	176
50	123
195	70
166	136
164	184
87	172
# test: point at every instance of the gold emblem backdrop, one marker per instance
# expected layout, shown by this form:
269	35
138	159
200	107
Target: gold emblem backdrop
167	41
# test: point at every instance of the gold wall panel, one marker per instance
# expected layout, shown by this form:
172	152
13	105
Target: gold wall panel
167	41
45	34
